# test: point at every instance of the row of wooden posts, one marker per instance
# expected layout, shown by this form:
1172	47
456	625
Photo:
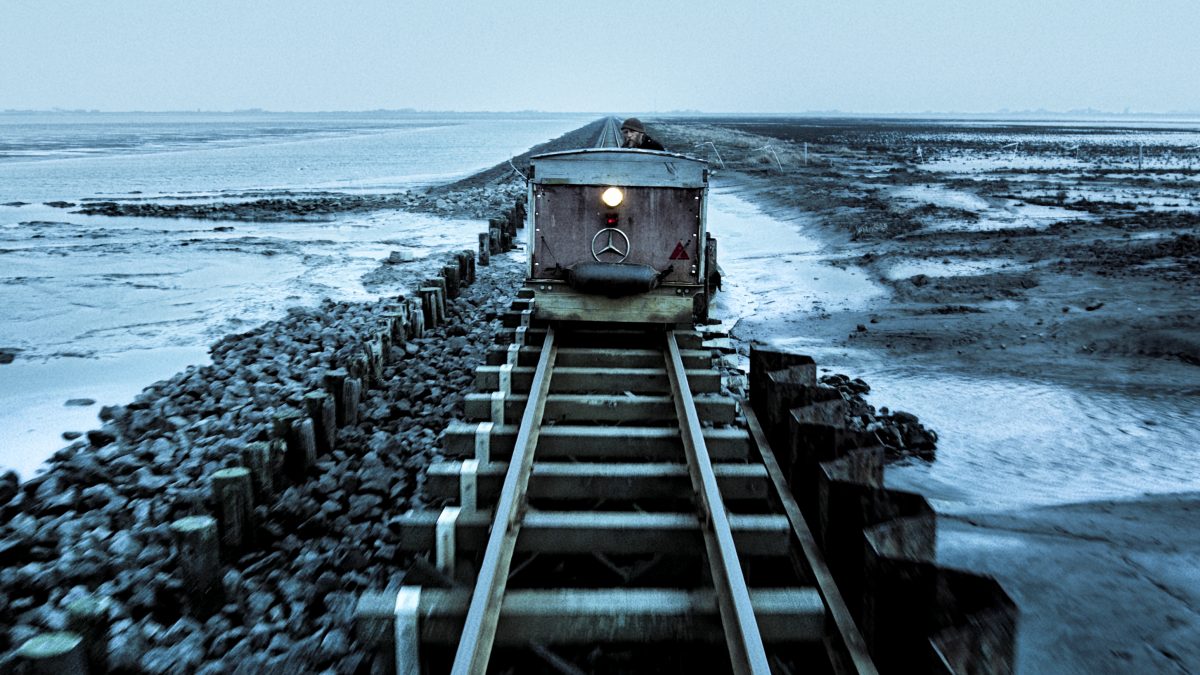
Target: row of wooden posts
502	233
301	432
879	543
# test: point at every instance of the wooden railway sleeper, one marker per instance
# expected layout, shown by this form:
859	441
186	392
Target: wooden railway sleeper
536	618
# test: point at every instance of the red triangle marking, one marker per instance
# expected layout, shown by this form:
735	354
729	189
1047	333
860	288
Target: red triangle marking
680	253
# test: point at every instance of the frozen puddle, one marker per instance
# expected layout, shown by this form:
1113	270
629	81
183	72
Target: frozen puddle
773	270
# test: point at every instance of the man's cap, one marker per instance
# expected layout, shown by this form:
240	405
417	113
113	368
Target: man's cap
633	124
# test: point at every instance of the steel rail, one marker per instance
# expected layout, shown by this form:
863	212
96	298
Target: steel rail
742	636
610	135
842	619
479	631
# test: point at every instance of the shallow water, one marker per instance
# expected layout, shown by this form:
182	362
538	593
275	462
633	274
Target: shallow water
101	307
140	303
772	269
1004	442
1013	443
903	268
119	154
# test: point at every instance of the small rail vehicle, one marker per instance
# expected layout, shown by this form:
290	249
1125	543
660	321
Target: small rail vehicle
619	236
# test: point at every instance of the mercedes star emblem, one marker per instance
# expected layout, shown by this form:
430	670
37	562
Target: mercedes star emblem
611	247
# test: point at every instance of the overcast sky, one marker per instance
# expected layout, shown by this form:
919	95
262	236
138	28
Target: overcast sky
768	56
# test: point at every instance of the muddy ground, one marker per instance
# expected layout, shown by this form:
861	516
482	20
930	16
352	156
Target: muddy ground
1050	254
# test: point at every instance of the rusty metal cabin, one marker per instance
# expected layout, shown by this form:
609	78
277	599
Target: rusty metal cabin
633	254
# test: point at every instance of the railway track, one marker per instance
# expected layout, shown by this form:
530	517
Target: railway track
609	509
610	134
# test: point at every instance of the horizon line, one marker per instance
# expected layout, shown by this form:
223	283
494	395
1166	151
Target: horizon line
671	113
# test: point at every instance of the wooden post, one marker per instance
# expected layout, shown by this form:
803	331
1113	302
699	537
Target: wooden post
429	305
88	618
54	654
494	231
352	393
453	280
519	213
358	366
256	457
397	319
373	352
198	555
439	283
302	448
296	431
485	249
323	411
281	422
417	317
494	243
335	384
464	268
233	494
384	336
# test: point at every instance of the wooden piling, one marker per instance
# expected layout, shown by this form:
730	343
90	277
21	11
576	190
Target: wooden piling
397	319
495	246
302	448
373	351
384	337
416	318
439	283
256	457
358	367
352	394
198	556
87	617
464	267
453	280
300	442
233	495
335	384
485	248
54	654
429	305
323	412
519	213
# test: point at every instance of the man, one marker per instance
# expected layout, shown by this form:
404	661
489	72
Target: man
635	136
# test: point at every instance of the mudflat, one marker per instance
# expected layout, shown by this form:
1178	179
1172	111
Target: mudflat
1058	256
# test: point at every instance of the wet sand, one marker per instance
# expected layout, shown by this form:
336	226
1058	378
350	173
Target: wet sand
1037	309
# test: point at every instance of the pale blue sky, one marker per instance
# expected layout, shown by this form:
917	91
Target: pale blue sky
769	56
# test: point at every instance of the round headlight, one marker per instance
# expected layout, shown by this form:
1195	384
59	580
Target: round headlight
612	197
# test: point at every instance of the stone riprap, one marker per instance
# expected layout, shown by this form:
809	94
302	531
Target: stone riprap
98	521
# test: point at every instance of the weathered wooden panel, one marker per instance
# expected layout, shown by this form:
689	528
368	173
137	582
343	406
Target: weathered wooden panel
660	306
660	223
596	443
619	167
582	616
